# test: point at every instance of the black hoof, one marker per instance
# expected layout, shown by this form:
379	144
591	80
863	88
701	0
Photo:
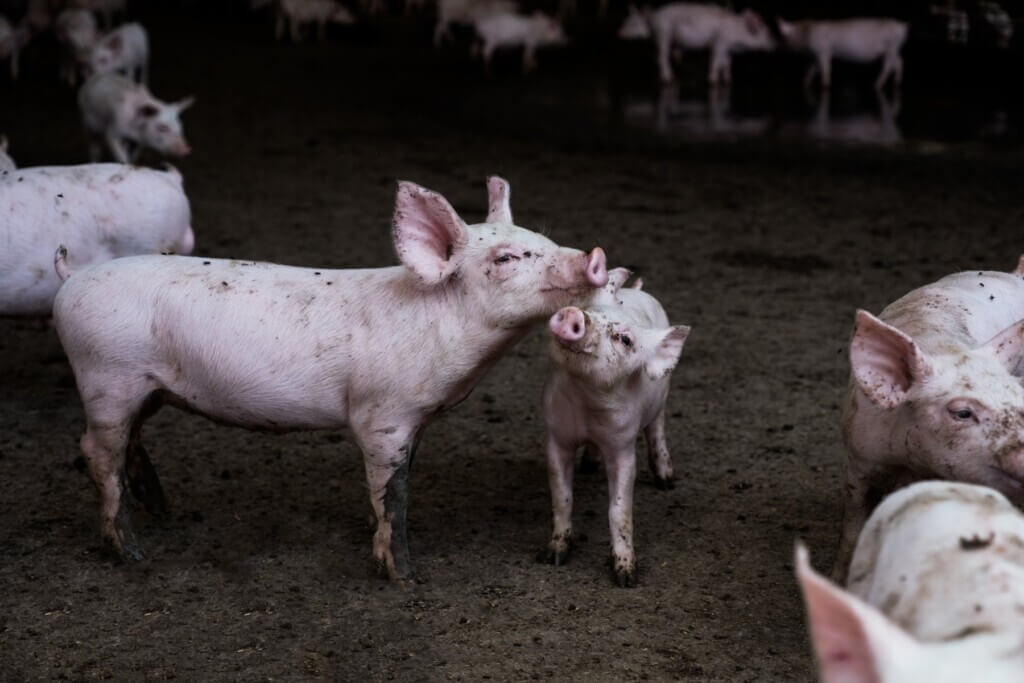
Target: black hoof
555	557
664	483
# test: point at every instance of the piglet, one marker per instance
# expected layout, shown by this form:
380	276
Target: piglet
298	13
6	162
854	40
694	26
935	392
382	350
509	29
611	366
125	50
100	211
127	117
76	32
935	594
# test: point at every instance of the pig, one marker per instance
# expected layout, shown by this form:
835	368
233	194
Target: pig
610	372
100	211
508	29
451	12
12	40
696	27
6	162
936	592
854	40
382	350
935	392
127	117
77	34
124	50
298	13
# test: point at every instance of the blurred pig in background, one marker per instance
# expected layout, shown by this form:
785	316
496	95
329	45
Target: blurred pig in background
508	29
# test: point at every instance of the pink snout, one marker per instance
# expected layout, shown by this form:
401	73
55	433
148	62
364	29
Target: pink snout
597	268
568	324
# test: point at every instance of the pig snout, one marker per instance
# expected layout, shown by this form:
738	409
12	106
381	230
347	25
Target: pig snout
597	267
180	148
568	324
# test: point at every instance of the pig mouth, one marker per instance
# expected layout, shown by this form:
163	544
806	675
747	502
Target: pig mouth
578	348
1007	483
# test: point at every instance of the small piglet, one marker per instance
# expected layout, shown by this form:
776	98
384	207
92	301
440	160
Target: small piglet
100	211
854	40
298	13
271	347
6	162
697	27
125	115
125	50
611	365
508	29
76	32
936	592
935	392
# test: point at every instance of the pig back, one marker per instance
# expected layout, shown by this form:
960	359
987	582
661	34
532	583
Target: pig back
942	557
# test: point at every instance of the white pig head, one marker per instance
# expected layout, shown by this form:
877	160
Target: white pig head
855	643
962	409
157	124
794	33
509	277
601	345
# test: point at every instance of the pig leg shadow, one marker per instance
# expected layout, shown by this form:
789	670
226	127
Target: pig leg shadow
142	478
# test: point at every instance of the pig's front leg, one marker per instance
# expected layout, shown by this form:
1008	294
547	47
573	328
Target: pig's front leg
892	66
116	146
719	72
825	67
388	453
529	57
658	457
663	38
620	464
560	462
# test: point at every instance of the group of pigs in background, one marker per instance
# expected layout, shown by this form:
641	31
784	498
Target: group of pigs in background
935	390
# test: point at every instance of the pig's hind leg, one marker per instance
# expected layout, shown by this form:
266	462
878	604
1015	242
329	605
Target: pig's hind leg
112	423
142	478
658	457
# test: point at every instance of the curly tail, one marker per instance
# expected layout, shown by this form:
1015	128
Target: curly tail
60	263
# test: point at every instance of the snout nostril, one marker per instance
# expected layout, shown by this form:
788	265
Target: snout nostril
576	329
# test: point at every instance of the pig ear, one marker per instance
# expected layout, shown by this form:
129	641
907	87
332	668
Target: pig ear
1019	270
428	234
853	642
751	20
666	354
884	361
498	209
785	28
1008	347
617	277
184	103
638	283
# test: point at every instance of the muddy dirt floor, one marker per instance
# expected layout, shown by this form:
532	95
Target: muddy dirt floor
263	568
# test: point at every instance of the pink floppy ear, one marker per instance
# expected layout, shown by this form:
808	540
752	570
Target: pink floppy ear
1008	347
1019	270
853	642
498	209
429	236
884	361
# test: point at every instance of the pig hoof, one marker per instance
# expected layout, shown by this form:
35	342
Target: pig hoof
625	577
556	556
664	483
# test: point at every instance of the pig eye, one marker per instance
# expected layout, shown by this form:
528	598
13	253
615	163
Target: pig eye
626	341
962	414
505	258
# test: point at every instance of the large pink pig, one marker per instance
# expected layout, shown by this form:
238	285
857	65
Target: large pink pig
935	594
264	346
99	211
611	365
935	392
